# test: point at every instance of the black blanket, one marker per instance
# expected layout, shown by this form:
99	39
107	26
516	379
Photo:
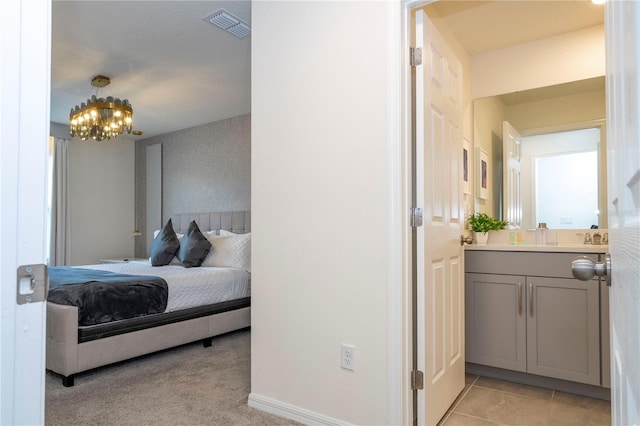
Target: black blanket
103	296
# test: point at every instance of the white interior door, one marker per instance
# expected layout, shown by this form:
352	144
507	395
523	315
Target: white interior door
24	134
440	299
511	155
623	174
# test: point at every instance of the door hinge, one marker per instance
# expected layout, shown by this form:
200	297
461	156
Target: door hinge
417	380
416	217
415	56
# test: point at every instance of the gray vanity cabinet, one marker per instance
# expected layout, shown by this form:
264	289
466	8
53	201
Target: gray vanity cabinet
496	328
563	329
525	312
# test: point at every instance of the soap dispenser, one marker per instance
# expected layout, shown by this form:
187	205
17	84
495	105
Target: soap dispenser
541	233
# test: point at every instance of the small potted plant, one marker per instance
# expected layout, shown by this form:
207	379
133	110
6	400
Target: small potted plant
482	223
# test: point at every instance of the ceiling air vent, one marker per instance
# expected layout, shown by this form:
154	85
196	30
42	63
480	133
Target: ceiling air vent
230	23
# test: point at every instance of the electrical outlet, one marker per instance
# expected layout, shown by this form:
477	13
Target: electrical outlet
347	357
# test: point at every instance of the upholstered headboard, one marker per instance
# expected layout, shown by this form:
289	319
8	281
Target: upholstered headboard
238	222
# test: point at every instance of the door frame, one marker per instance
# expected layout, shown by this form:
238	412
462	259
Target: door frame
400	311
25	34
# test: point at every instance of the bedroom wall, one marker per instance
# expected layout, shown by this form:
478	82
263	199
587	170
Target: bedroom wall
204	168
101	178
320	202
101	197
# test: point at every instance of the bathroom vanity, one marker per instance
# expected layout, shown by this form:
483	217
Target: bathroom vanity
529	320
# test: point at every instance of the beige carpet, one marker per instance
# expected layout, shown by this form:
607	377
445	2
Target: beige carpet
190	385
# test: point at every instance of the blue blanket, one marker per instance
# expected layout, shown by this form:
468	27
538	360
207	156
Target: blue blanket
103	296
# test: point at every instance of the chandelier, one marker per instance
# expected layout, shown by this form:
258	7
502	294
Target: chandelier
101	118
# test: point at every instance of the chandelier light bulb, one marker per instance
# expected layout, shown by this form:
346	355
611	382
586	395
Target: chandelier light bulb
101	118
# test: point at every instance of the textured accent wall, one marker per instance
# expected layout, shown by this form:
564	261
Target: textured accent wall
204	168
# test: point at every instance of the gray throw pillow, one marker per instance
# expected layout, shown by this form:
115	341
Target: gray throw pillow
164	246
194	247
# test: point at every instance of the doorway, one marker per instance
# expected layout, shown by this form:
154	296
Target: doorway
509	76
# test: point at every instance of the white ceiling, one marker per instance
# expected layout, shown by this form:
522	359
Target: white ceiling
482	26
179	71
176	69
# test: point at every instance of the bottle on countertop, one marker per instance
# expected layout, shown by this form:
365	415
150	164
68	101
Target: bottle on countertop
541	233
596	238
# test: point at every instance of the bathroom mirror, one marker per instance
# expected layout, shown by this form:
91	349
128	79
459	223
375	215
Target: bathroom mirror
562	165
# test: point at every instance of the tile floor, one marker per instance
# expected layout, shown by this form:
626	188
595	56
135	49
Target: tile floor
487	401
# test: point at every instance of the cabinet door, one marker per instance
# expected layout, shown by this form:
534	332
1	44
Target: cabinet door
563	329
495	320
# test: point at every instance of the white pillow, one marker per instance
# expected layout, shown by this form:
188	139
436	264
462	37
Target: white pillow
229	251
226	233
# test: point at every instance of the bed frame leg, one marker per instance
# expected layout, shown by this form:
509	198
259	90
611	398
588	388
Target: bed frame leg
207	342
67	381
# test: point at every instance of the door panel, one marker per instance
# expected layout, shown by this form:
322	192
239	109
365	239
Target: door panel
440	294
622	39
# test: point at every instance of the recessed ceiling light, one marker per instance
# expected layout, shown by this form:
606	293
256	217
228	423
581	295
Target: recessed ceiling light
230	23
598	1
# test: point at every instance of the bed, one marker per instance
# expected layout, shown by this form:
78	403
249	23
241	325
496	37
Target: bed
202	302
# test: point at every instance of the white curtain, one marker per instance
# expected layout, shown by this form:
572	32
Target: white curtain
60	247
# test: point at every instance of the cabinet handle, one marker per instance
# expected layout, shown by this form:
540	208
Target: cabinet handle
519	298
531	299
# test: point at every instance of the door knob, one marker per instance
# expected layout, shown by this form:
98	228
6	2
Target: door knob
585	269
464	239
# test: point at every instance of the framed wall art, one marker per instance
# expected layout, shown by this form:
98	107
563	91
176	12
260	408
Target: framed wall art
466	166
482	175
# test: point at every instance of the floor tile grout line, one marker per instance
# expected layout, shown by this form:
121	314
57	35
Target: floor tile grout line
476	417
453	409
513	393
445	418
459	400
463	395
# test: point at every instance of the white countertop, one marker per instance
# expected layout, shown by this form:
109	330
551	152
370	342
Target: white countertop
564	241
561	248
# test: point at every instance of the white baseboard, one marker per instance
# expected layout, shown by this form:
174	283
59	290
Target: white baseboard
291	412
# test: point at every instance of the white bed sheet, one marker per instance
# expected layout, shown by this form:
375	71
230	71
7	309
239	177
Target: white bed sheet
189	287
